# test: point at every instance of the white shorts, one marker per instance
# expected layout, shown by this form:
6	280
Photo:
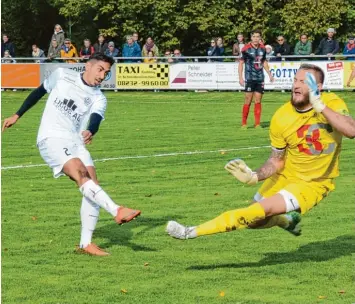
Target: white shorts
57	151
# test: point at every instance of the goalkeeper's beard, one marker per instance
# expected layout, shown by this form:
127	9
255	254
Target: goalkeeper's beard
300	104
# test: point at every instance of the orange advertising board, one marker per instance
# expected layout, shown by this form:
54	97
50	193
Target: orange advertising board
20	75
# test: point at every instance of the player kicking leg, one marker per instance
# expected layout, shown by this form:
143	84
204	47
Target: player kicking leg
74	110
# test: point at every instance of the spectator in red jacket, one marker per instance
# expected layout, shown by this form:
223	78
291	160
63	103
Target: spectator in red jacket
87	50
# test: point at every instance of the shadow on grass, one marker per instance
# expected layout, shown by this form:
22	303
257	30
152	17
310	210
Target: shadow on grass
265	124
314	252
122	234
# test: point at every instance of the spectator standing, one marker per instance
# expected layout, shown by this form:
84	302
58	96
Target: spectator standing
150	58
68	51
112	51
54	51
178	57
328	46
213	50
58	35
131	49
135	37
7	45
282	48
100	46
87	50
221	47
269	52
150	46
349	48
238	46
303	46
38	53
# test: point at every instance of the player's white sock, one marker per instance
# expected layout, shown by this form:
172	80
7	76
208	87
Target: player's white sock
89	214
96	194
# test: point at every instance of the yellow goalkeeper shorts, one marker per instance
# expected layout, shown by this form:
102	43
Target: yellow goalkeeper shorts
308	194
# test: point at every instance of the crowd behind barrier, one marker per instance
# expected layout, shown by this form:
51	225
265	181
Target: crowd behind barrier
186	73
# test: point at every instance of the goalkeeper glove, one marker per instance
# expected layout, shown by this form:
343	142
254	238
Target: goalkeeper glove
314	94
241	172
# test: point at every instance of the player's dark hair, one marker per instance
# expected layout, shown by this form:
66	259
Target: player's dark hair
102	57
317	69
303	35
257	31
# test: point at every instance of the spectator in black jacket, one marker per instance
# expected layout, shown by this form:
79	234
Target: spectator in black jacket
100	46
282	48
213	50
328	46
7	45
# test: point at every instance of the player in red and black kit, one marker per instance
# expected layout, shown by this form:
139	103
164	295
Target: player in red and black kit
254	57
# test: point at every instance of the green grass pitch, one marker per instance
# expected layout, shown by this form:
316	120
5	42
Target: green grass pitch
41	221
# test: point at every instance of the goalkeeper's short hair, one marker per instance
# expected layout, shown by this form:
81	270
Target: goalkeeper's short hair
317	69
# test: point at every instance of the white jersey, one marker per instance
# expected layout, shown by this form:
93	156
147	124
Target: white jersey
69	105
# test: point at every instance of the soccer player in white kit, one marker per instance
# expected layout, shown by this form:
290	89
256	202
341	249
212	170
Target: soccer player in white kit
74	110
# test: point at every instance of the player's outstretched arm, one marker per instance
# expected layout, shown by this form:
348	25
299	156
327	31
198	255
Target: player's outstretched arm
29	102
93	127
274	164
239	169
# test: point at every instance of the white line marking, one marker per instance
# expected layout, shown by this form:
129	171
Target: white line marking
146	156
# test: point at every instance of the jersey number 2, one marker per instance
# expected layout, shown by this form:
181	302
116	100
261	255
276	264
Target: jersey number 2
313	146
66	151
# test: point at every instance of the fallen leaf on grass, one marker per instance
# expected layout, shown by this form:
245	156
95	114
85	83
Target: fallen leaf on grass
148	195
322	297
222	294
124	291
223	152
146	264
216	193
341	291
34	218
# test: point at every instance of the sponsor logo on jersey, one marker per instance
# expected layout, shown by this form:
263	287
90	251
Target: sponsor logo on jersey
67	108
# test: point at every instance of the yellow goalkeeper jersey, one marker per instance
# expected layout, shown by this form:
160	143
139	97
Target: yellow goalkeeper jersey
312	145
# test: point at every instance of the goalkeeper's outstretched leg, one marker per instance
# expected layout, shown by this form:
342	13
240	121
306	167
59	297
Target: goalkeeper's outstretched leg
234	219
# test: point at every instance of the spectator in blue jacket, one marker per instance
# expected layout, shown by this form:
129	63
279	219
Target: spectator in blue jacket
349	48
131	49
111	50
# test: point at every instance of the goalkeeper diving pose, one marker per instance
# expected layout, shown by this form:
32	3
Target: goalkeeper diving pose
306	135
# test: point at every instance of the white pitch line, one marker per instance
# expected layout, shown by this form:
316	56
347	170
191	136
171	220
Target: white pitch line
145	156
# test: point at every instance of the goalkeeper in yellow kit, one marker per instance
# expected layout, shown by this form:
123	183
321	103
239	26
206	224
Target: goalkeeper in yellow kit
306	135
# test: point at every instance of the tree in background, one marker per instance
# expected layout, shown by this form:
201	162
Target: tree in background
185	24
